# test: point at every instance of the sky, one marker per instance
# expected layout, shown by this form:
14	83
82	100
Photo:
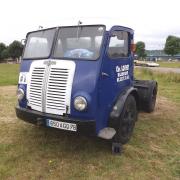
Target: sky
152	20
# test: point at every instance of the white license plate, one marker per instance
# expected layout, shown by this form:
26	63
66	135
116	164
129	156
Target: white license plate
61	125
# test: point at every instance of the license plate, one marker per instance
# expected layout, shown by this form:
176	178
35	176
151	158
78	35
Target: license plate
61	125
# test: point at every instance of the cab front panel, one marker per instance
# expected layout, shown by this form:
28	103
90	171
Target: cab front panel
51	88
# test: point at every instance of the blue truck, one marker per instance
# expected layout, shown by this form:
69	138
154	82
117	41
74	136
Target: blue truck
81	79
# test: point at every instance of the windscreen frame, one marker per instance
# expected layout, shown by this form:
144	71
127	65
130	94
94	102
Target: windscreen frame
80	59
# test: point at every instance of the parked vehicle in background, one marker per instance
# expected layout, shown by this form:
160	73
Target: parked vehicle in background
146	63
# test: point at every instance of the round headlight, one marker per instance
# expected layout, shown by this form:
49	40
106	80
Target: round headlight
80	103
20	94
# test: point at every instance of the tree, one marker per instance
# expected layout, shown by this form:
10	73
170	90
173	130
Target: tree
172	45
140	50
2	48
15	49
5	54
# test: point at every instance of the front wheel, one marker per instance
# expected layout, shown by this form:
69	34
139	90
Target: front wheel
127	121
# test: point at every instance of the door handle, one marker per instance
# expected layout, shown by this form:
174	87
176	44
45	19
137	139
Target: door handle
105	74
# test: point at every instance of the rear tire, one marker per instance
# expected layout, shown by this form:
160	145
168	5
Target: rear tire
127	121
149	106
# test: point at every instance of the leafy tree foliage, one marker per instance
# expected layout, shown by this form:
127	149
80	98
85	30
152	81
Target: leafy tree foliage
140	50
15	49
2	48
172	46
5	54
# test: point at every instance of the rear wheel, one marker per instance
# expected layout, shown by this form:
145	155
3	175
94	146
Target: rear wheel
150	104
127	121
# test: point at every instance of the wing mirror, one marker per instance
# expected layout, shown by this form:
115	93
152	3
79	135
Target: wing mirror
133	48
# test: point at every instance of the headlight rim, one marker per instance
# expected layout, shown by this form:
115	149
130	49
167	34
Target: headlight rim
84	101
20	96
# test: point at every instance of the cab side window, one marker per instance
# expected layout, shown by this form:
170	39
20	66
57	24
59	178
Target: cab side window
118	46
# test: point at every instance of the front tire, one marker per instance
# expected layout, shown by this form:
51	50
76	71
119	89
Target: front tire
127	121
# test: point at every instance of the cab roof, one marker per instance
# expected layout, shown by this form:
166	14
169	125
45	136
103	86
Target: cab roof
109	28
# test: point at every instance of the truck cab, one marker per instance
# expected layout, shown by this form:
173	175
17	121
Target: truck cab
80	79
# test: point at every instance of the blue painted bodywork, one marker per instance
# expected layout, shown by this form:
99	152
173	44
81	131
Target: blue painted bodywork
96	80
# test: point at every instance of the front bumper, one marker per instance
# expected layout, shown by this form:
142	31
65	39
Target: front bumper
39	118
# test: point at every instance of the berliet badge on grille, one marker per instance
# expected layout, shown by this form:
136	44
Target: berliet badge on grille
49	62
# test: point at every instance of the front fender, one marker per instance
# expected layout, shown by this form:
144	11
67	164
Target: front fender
119	104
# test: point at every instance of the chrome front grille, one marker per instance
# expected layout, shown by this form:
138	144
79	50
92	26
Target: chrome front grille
49	87
36	85
56	90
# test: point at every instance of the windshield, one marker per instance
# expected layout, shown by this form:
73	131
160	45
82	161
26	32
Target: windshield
39	44
83	42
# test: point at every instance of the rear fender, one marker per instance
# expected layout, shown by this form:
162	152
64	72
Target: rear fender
145	90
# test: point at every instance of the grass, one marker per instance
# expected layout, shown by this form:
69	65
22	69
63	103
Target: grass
169	64
168	83
9	74
30	152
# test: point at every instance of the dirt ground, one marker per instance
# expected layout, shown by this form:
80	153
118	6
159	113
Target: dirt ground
30	152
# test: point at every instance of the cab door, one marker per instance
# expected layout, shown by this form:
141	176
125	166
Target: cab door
117	70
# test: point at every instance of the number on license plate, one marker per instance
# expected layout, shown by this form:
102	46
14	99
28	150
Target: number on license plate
61	125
